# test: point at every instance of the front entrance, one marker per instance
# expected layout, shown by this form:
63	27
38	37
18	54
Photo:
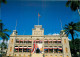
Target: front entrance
37	50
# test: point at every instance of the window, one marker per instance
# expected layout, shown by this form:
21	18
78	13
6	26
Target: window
10	49
21	41
55	49
50	41
59	49
17	41
54	41
16	49
46	41
20	48
50	49
64	40
25	49
66	50
59	41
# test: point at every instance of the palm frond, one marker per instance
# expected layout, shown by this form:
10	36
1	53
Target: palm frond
6	34
2	34
6	30
0	20
5	38
68	3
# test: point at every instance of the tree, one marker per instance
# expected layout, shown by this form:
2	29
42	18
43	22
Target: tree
74	5
78	26
3	35
77	46
4	1
70	29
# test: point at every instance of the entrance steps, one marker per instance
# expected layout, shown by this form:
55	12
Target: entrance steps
37	55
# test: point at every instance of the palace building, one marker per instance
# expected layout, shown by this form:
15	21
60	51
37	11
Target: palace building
38	44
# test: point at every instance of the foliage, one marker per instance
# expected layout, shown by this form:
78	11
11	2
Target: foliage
78	26
3	35
3	45
70	29
77	46
4	1
73	4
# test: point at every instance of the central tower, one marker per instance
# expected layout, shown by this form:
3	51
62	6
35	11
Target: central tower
38	30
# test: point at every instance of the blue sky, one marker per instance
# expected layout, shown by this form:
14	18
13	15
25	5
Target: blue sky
26	14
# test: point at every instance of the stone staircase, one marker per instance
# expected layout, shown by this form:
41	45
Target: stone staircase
37	55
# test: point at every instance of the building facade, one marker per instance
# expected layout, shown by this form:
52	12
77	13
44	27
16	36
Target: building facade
38	44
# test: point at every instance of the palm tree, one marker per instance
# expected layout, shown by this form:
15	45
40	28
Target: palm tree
74	5
4	1
3	34
78	26
70	29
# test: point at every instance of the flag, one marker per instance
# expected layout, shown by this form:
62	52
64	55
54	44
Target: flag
38	14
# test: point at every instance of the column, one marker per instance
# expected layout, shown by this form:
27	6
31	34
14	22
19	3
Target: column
48	41
53	50
43	45
19	41
18	48
22	49
32	45
35	46
48	49
57	41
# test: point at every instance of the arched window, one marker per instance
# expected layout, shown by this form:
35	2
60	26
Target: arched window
59	41
50	41
10	49
64	40
45	41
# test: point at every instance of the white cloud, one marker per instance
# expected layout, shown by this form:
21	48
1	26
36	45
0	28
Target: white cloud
53	34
